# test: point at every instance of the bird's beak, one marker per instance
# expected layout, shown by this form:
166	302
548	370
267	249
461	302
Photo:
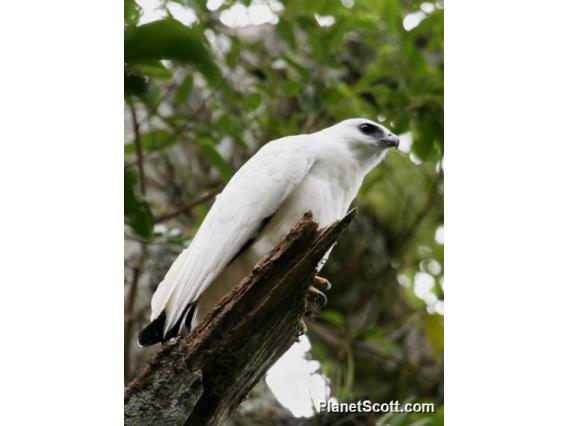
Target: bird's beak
390	140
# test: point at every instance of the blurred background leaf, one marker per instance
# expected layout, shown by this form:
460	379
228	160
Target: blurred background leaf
168	39
136	213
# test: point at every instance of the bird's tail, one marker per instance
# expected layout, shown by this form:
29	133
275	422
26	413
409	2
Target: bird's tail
164	297
154	332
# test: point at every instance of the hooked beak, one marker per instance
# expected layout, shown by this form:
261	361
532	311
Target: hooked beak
390	140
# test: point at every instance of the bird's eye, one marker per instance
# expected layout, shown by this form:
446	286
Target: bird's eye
368	129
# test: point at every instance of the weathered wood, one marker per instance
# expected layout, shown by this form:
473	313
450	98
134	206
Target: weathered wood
200	379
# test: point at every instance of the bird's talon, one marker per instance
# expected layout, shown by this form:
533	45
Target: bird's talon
318	295
321	283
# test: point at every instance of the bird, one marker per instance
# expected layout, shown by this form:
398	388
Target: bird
319	172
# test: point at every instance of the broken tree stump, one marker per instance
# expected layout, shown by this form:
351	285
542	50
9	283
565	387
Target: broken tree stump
199	379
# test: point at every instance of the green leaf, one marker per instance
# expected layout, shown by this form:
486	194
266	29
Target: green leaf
334	317
136	212
434	330
428	141
153	69
134	84
253	101
299	68
233	56
208	150
184	90
286	31
169	39
132	12
381	342
291	88
390	11
154	140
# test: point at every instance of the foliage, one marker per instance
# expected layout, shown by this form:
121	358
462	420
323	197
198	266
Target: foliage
208	95
136	212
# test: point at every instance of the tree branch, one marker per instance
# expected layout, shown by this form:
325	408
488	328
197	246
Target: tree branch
138	146
187	206
200	379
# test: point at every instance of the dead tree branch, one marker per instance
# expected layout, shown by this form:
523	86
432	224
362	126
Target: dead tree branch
200	379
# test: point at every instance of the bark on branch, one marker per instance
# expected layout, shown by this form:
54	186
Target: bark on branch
200	379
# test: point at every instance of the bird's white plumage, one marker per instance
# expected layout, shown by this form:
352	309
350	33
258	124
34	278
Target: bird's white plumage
320	172
254	193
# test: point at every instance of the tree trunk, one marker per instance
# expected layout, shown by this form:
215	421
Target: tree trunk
198	380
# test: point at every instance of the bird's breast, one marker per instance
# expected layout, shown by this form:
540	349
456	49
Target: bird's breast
326	194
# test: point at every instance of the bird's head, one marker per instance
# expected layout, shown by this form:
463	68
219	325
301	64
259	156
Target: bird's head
366	140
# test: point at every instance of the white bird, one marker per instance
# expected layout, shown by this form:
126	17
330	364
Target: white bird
319	172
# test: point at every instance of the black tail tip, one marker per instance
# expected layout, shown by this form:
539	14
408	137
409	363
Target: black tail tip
154	332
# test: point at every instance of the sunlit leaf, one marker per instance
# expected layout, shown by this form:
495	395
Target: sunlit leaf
153	69
132	12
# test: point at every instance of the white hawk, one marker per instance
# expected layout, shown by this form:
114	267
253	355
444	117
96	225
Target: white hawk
319	172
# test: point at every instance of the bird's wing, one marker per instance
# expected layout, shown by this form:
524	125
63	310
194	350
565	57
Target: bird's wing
254	193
